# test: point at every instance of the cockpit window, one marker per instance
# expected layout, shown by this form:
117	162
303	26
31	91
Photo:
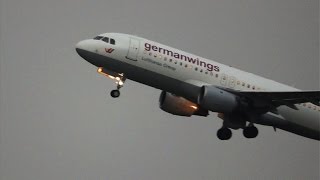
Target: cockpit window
112	41
105	39
98	37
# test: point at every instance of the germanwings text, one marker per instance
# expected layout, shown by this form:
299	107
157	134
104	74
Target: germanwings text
196	61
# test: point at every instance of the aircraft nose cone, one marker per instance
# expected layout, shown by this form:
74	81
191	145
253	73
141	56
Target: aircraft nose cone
86	50
82	48
81	45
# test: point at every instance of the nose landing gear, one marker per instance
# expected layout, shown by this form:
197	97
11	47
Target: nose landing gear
119	81
118	77
116	92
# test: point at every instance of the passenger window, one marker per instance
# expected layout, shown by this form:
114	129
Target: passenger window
105	39
112	41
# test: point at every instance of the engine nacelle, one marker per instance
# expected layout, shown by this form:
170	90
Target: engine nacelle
179	106
217	100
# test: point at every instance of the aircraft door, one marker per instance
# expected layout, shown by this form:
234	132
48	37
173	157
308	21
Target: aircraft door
133	49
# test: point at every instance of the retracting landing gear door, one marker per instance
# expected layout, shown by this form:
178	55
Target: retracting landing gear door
133	49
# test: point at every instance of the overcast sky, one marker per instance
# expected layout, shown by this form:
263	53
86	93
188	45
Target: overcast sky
57	120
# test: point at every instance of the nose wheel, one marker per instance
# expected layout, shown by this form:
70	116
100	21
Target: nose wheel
115	93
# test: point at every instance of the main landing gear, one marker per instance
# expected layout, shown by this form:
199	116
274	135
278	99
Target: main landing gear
232	122
224	133
250	132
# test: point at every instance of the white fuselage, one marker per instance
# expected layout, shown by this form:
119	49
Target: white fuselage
194	70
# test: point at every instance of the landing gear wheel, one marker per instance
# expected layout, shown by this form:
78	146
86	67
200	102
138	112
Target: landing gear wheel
224	133
250	132
115	93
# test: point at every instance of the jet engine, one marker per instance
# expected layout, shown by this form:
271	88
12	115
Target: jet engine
217	100
179	106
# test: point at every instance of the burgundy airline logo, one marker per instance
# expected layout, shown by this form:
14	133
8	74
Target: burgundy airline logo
109	50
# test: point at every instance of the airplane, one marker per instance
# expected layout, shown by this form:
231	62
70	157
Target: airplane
193	85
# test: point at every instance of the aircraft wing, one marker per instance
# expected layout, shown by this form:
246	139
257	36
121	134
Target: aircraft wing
281	98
